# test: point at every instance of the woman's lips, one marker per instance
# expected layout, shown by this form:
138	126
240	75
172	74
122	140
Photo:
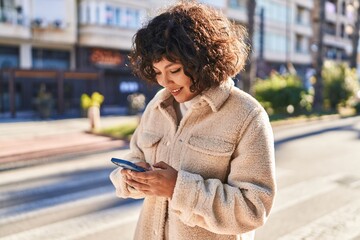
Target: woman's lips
175	92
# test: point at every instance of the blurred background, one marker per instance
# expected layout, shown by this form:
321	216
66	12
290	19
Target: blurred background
69	102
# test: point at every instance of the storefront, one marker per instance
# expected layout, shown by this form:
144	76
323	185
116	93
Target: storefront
102	70
119	82
9	58
49	82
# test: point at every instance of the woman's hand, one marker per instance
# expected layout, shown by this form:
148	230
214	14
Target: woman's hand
158	182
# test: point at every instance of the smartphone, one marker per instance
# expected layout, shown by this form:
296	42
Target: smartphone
127	165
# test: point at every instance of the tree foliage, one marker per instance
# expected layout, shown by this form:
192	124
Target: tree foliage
340	84
282	94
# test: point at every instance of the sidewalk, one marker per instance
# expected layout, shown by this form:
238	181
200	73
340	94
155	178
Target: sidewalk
34	140
24	142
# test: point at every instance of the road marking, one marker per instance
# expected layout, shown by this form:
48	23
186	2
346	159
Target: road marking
53	205
340	224
57	184
83	226
81	163
303	191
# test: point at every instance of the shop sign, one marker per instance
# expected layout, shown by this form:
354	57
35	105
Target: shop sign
105	57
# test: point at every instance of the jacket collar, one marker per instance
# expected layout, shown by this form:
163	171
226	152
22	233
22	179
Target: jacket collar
214	97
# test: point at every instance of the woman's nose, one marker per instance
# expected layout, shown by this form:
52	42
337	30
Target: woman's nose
163	80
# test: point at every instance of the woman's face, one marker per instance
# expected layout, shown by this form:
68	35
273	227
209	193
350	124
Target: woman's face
171	76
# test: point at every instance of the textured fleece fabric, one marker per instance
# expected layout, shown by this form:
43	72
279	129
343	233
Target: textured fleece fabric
223	150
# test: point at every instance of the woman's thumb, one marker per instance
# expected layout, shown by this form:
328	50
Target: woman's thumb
161	165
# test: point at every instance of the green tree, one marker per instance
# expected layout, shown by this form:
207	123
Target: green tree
340	84
282	94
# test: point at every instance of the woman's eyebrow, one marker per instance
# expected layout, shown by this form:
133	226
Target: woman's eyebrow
170	64
167	66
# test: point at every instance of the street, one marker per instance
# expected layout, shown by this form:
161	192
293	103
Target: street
318	176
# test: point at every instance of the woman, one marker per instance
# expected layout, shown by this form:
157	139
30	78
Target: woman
208	145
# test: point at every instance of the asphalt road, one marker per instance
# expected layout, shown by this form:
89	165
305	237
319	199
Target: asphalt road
318	175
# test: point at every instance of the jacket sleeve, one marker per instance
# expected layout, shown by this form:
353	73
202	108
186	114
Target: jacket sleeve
123	190
242	203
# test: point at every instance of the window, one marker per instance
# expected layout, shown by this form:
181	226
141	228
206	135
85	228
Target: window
274	11
117	16
10	12
301	44
88	14
50	59
343	8
109	15
300	15
9	57
97	13
55	10
275	42
330	7
237	4
342	30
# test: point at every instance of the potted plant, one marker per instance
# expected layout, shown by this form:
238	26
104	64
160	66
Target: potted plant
44	102
91	105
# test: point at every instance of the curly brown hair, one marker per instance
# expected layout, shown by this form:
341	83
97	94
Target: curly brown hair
202	39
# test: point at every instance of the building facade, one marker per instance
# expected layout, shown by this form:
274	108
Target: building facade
81	46
71	48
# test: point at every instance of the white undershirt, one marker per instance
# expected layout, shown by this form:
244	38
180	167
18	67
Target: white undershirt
185	106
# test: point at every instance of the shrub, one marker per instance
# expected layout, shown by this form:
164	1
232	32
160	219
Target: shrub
282	94
340	84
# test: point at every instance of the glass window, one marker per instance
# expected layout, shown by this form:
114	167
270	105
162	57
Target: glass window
117	16
88	14
50	59
109	15
9	57
330	7
97	14
55	9
132	18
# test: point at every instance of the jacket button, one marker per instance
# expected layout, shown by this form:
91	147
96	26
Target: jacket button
167	143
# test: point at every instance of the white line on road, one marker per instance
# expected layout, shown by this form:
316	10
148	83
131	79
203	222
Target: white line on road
340	224
303	191
53	205
60	184
78	164
83	226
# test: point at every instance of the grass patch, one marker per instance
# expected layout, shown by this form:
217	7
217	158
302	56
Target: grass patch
123	131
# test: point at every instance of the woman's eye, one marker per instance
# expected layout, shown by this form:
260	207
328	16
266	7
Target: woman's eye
157	73
176	70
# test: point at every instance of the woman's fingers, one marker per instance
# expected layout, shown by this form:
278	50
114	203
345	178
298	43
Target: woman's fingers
144	165
161	165
160	182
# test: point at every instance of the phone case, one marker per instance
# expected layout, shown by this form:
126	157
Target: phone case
127	165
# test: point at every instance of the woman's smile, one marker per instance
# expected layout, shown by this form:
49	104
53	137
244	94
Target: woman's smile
171	76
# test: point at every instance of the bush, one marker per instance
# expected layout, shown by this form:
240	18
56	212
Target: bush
340	84
281	94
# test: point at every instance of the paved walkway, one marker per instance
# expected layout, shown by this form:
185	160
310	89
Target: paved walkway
33	140
20	141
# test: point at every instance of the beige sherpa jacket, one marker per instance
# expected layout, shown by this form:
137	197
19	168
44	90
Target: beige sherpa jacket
224	153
